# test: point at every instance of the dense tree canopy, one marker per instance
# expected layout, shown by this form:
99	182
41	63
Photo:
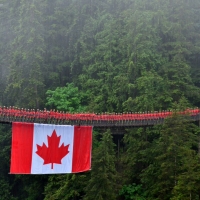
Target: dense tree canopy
106	56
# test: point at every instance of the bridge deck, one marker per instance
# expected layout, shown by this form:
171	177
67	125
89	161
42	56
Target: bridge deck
9	115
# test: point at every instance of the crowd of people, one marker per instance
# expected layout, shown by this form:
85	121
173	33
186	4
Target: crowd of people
17	113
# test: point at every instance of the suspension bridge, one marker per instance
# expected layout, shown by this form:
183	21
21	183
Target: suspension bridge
129	119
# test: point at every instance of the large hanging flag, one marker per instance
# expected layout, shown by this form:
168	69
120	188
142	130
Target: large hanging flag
50	149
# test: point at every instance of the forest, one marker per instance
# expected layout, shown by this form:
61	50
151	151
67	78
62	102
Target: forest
106	56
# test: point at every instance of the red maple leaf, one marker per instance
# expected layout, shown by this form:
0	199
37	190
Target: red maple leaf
53	153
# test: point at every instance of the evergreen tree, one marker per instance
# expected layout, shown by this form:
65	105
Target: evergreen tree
66	187
188	184
114	56
8	19
5	179
25	81
136	141
177	142
102	184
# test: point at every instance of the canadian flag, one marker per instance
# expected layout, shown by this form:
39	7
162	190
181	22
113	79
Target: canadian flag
50	149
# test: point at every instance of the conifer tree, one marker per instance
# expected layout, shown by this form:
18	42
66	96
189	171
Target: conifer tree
66	186
102	183
5	179
25	81
176	144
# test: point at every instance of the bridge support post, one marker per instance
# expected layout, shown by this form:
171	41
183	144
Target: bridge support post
199	141
118	148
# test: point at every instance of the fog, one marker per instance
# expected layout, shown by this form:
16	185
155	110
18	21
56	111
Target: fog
46	44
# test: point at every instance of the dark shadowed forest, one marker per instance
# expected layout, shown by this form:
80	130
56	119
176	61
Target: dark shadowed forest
109	56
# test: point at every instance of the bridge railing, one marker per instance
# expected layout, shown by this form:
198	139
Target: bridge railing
12	114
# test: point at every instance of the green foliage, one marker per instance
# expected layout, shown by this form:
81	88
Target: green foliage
102	184
188	183
152	93
176	144
65	187
115	56
25	188
5	179
132	192
65	98
25	81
